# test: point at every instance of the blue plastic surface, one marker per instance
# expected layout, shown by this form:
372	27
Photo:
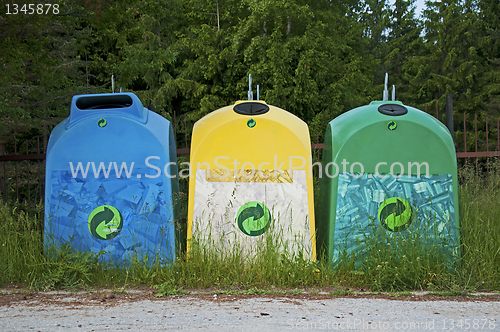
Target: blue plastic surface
104	158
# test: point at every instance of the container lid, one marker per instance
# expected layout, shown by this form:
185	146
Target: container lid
392	109
118	104
251	107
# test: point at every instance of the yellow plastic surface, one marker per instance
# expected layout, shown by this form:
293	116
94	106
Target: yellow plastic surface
223	136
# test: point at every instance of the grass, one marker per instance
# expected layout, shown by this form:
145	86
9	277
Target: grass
399	294
410	260
272	271
480	230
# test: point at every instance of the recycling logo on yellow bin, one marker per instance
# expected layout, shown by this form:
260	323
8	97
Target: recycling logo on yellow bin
395	214
253	218
105	222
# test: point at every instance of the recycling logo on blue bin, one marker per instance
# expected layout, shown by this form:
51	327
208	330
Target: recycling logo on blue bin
105	222
395	214
102	123
253	218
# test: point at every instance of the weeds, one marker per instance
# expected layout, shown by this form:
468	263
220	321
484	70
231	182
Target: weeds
396	264
169	287
63	268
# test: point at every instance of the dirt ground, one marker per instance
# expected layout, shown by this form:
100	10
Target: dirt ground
207	310
99	296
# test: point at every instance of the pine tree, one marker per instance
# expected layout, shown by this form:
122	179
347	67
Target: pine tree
147	57
375	17
404	42
309	56
489	50
208	67
41	68
450	62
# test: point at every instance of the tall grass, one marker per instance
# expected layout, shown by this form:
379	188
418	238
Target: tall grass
20	242
22	259
417	258
480	228
403	262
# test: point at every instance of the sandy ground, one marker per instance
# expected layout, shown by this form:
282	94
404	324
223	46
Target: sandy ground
139	309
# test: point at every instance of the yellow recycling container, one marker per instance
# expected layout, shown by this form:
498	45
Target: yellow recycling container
250	177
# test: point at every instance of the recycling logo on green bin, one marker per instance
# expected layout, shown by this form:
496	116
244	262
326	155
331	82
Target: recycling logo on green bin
395	214
392	125
253	218
105	222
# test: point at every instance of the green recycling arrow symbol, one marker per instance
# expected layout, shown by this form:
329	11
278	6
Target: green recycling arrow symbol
253	218
105	222
392	125
395	214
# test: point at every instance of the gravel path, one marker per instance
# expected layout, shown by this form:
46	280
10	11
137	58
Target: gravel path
239	313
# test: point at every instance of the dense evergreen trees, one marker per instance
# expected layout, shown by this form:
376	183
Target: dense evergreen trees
315	59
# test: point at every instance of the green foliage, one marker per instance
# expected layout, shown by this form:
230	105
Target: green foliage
63	268
479	213
28	48
489	50
394	264
375	16
168	287
449	62
22	257
147	56
21	242
316	59
404	42
414	259
191	57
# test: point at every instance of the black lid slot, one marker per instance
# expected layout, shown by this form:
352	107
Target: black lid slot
251	108
392	109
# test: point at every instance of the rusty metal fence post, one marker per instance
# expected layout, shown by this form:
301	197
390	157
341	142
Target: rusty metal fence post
449	115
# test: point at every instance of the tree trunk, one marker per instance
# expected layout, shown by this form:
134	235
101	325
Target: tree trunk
45	138
218	18
158	31
2	180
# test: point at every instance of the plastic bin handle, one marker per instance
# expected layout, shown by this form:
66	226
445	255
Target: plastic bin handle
121	104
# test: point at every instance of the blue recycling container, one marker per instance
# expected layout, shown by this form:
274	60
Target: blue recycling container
111	181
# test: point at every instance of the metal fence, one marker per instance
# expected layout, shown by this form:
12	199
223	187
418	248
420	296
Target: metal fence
22	170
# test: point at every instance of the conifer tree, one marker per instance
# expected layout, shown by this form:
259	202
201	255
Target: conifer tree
403	43
489	50
449	62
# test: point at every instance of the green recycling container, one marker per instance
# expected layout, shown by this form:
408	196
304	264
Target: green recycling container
388	172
